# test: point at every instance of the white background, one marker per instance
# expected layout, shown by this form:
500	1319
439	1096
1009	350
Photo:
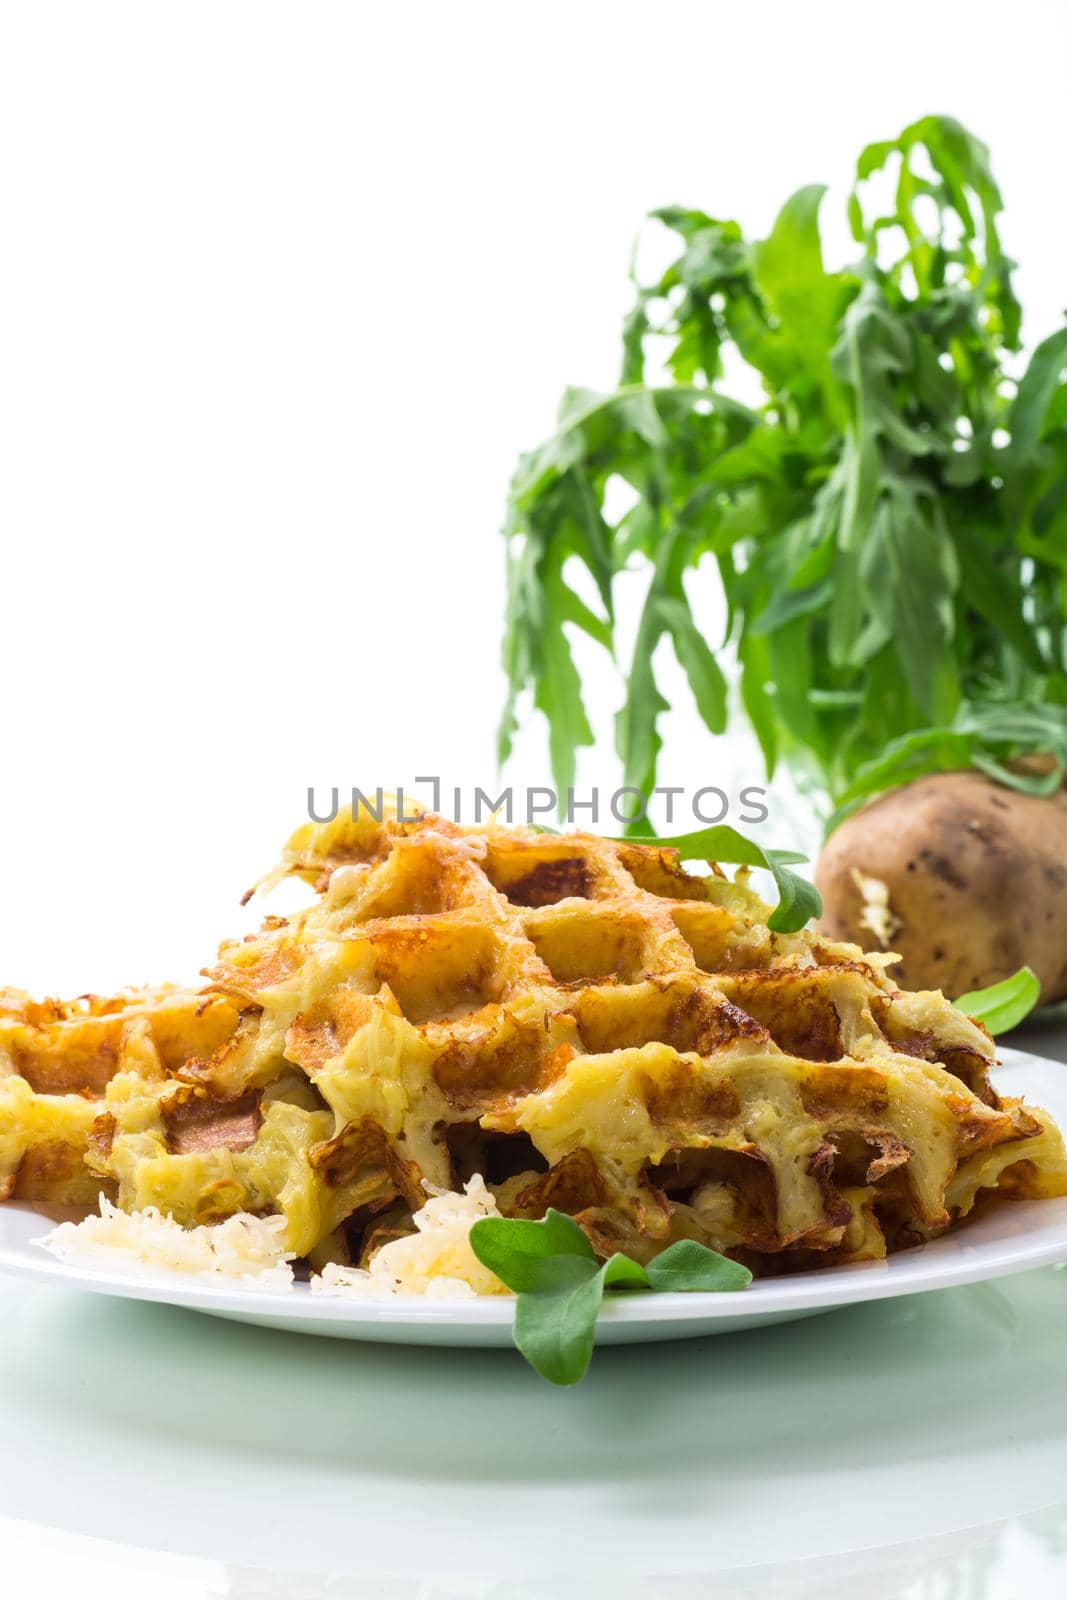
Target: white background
286	289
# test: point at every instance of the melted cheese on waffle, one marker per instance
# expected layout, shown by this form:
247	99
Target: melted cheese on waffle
580	1022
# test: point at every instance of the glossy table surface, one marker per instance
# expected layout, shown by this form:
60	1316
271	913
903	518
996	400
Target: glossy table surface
911	1448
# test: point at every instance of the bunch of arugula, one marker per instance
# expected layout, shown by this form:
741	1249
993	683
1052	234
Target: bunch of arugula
890	525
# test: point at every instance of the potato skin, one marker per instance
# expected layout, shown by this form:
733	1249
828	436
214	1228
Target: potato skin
977	874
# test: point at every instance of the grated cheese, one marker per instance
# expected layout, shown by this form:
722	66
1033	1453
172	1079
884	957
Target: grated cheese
245	1247
436	1261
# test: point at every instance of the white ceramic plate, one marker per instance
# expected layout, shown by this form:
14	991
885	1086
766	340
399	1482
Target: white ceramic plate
1011	1238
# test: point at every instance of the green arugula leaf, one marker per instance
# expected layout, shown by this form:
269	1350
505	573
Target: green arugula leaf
560	1284
804	300
909	566
697	662
987	737
1034	396
798	900
524	1254
994	588
624	1273
558	692
1003	1005
757	696
688	1268
555	1327
636	737
556	1331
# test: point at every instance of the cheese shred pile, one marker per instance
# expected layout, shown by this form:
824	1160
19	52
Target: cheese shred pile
244	1247
436	1260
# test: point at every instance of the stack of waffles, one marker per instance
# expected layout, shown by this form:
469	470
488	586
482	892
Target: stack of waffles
578	1020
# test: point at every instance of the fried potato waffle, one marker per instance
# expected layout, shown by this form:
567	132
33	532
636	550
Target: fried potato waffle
580	1021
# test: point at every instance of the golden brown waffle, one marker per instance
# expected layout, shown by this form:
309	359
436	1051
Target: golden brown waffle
579	1020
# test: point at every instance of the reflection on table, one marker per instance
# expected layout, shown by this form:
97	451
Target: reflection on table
881	1449
1023	1556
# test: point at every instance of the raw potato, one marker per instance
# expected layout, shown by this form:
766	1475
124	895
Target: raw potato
977	881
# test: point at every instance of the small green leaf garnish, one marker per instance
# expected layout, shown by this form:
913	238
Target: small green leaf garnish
555	1331
798	900
620	1270
560	1284
526	1255
1003	1005
688	1268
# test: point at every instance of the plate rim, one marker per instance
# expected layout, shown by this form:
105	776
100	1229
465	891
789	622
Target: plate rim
912	1272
